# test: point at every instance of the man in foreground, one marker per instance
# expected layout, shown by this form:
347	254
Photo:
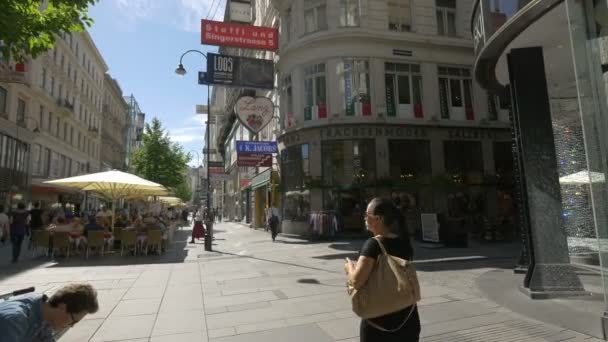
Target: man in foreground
37	318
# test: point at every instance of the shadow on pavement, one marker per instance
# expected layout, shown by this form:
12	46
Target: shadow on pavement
581	314
477	255
276	262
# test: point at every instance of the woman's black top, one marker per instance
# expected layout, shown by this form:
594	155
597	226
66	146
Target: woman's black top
398	247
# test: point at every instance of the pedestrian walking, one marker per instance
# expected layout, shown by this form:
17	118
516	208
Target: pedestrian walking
4	225
36	221
37	318
382	293
274	222
198	231
18	229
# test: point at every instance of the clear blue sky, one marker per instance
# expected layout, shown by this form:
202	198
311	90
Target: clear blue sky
141	42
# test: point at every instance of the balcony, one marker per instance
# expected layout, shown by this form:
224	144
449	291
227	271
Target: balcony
65	107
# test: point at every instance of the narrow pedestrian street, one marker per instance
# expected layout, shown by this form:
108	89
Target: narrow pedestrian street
251	289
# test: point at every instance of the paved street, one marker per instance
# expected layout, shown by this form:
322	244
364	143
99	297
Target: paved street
250	289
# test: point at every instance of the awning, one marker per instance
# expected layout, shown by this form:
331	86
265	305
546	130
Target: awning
261	179
38	187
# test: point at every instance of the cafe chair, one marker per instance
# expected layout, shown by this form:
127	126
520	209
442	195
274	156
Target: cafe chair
40	239
155	239
96	240
61	242
117	235
128	240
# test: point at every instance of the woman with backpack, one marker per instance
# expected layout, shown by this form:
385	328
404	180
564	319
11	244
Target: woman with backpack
388	309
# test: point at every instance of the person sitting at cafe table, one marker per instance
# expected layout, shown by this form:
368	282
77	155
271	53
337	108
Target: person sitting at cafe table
92	225
61	226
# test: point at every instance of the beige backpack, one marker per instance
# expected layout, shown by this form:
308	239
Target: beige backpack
392	286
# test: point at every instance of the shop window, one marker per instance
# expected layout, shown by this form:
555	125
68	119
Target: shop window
3	100
315	93
400	15
415	165
349	162
446	17
315	17
296	169
455	93
503	161
403	83
355	87
349	13
464	161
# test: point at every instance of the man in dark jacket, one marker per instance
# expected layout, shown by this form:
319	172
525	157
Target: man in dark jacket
18	228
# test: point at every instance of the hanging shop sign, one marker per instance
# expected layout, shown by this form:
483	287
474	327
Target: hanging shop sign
216	164
234	71
245	183
216	170
254	160
202	78
257	147
240	12
254	112
220	176
239	35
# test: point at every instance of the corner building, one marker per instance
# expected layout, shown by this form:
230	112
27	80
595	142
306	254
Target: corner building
377	98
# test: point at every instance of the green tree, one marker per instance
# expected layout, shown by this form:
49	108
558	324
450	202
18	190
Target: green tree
159	159
28	28
183	192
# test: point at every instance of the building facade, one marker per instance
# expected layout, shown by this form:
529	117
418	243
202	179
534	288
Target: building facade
248	190
51	122
377	98
114	124
557	81
134	128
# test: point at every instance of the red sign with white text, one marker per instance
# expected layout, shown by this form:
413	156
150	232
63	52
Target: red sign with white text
254	160
239	35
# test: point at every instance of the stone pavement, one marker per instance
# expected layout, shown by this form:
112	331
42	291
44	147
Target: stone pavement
250	289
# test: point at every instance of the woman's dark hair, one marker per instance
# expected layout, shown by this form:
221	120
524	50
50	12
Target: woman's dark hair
393	219
78	298
21	205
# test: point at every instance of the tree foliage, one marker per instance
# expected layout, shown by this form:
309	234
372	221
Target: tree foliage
162	161
28	28
183	192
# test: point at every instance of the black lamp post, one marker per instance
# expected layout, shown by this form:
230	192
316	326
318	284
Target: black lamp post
180	70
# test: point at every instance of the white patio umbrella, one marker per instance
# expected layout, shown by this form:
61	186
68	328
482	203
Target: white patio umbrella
113	185
583	177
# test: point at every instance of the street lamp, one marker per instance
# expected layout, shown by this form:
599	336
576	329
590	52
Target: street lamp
181	71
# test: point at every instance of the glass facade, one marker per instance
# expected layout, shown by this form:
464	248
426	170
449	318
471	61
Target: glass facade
589	36
575	58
